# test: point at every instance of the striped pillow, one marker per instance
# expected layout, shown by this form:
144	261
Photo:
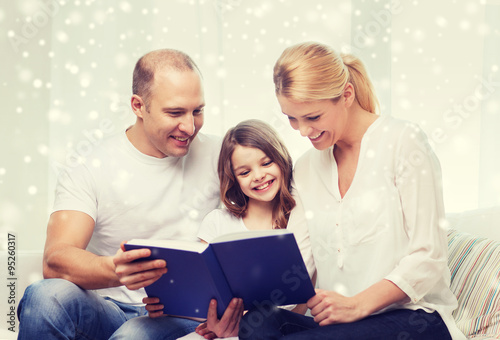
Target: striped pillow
474	264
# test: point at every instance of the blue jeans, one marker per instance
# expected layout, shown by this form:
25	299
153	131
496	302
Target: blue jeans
59	309
146	328
401	324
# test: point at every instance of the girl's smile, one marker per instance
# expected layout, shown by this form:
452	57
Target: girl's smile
265	186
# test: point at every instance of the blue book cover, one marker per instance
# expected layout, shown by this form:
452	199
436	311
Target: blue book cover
261	267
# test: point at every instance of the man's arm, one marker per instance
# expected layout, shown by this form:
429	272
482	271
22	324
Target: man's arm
65	257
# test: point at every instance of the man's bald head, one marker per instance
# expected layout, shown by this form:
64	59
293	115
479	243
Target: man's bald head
159	60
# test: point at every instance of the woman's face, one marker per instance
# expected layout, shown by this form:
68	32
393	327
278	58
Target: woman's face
322	121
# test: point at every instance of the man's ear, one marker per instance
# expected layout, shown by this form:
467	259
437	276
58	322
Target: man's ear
349	95
137	105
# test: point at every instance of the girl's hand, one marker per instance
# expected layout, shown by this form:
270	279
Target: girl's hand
153	306
329	307
203	330
227	326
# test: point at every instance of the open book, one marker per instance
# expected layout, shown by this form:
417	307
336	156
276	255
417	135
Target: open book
261	267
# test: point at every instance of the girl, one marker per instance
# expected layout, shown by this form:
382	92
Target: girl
371	185
255	173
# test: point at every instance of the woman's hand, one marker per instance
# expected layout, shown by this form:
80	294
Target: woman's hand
153	306
329	307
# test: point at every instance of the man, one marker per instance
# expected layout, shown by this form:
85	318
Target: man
156	180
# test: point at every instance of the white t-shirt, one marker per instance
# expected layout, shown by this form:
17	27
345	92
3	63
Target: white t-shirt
132	195
388	225
219	222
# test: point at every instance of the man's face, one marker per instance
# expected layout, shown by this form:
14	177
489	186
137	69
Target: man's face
175	113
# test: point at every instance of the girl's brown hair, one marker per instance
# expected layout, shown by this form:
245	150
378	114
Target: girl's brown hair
256	134
312	71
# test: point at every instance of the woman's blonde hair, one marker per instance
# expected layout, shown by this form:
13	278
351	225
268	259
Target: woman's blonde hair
256	134
312	71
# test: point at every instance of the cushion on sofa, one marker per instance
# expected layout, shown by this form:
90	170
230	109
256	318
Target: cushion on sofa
474	263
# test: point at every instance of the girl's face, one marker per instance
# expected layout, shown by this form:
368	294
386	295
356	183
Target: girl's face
258	176
322	121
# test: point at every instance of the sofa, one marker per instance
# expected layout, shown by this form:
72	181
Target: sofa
474	262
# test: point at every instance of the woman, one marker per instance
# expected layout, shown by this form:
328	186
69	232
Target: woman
372	189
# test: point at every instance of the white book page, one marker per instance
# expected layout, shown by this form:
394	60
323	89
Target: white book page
242	235
172	244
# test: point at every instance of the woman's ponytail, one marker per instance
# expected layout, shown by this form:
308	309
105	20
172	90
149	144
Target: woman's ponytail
363	87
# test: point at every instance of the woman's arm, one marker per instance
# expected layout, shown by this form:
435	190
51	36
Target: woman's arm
418	180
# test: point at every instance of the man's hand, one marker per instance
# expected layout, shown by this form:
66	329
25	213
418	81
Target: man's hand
135	275
227	326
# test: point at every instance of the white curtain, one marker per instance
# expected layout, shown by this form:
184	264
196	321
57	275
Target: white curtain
67	66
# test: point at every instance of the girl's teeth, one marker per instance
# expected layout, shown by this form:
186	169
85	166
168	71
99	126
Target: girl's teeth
262	186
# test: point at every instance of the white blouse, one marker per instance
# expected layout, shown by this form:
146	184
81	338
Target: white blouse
389	224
